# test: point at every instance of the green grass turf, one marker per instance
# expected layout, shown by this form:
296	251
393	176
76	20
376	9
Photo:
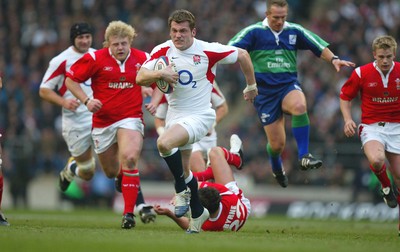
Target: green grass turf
91	230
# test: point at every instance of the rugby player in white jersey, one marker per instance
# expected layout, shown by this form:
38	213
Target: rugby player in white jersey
190	116
76	118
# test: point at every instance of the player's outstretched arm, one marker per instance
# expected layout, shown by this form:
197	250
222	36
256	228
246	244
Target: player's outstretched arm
183	222
330	57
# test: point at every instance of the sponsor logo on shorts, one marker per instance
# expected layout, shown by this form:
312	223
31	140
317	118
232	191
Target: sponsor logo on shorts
264	117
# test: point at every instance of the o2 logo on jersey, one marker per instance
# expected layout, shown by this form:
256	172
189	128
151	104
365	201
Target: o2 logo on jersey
186	78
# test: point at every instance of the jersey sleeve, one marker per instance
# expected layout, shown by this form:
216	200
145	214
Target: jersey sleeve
351	87
244	38
157	52
54	76
221	54
82	69
308	40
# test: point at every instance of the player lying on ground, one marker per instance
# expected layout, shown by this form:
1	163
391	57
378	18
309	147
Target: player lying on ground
228	207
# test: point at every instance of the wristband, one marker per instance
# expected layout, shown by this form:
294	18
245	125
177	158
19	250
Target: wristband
87	101
334	58
250	88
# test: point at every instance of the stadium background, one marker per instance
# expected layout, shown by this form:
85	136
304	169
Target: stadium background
34	31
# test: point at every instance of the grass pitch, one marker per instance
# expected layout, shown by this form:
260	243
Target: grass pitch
91	230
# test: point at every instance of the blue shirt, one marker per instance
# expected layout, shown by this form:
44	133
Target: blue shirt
274	54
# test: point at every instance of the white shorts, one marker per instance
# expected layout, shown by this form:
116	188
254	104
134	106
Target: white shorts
77	140
232	186
197	125
103	138
386	133
206	143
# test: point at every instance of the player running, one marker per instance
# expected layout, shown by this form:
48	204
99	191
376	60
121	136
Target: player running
273	45
76	118
190	116
116	106
378	83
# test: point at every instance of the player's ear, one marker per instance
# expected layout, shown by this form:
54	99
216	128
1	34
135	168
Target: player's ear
194	32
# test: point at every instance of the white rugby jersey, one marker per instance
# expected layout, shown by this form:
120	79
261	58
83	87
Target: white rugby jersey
197	68
54	78
217	99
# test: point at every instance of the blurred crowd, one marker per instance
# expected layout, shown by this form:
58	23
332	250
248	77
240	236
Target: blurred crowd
34	31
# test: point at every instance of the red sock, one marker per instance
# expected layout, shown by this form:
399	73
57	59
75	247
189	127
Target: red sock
232	158
204	175
382	176
130	188
1	188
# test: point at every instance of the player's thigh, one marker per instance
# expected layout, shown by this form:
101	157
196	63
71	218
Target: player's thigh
197	161
394	161
374	150
374	140
174	136
109	161
130	143
294	103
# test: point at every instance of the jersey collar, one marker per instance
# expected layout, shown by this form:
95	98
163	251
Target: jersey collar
265	24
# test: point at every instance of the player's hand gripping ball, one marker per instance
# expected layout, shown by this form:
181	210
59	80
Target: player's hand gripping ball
162	63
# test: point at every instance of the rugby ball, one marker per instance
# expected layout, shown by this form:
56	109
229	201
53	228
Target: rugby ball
162	63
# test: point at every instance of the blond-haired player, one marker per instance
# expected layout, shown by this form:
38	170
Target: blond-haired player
116	106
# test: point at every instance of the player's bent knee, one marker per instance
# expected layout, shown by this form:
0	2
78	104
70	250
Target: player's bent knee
162	148
215	152
168	153
87	168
